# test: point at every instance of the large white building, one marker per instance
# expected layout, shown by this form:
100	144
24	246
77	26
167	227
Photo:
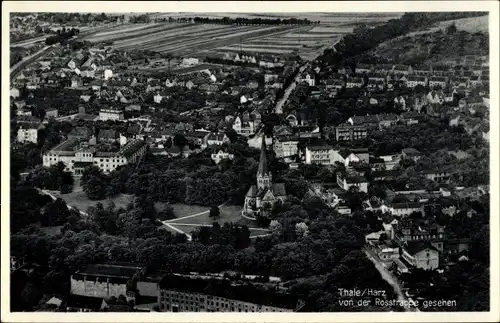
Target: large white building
29	132
111	114
77	155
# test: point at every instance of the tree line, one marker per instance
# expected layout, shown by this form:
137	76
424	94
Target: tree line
253	21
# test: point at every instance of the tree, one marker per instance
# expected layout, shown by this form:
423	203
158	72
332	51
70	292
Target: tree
451	29
276	228
94	183
214	211
180	141
301	229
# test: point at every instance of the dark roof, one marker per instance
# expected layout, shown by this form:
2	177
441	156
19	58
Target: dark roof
224	288
279	189
417	246
87	302
107	133
252	191
110	270
263	158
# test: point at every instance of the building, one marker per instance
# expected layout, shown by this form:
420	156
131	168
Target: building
438	82
346	181
242	126
217	139
190	61
180	293
402	209
261	197
77	155
286	146
347	132
28	132
413	81
105	280
324	155
79	303
309	79
220	155
354	82
421	255
51	113
111	114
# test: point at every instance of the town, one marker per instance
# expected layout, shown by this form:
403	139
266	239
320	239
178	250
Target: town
256	165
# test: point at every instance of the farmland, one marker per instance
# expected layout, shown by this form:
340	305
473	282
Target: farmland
201	40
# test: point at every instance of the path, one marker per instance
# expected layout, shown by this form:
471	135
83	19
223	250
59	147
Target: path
67	205
173	223
193	215
389	278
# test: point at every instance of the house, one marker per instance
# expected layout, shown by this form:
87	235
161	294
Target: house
421	255
411	153
354	82
216	138
436	97
28	132
422	70
437	82
76	82
363	68
347	132
346	181
401	69
160	96
437	176
80	133
198	138
400	102
403	209
220	155
15	93
243	126
111	113
71	64
79	303
107	135
108	73
324	155
190	61
51	113
308	79
413	81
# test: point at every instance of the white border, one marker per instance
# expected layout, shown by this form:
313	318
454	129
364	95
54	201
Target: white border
255	6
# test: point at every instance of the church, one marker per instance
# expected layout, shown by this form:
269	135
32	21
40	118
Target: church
261	197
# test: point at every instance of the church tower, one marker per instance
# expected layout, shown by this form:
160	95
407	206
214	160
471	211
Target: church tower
264	176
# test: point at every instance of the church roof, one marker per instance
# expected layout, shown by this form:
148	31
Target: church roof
279	189
252	191
263	158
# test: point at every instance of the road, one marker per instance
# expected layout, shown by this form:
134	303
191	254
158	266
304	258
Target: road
389	278
18	67
279	105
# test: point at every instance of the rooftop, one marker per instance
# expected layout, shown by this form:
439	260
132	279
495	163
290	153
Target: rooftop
225	288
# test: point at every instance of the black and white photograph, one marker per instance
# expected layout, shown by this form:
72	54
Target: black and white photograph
169	161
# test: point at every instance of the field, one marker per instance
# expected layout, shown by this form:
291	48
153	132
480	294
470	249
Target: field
200	40
79	200
190	218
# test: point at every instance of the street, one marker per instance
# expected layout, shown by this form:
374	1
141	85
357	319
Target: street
388	277
279	105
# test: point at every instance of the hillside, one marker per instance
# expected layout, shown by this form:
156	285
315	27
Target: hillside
434	46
